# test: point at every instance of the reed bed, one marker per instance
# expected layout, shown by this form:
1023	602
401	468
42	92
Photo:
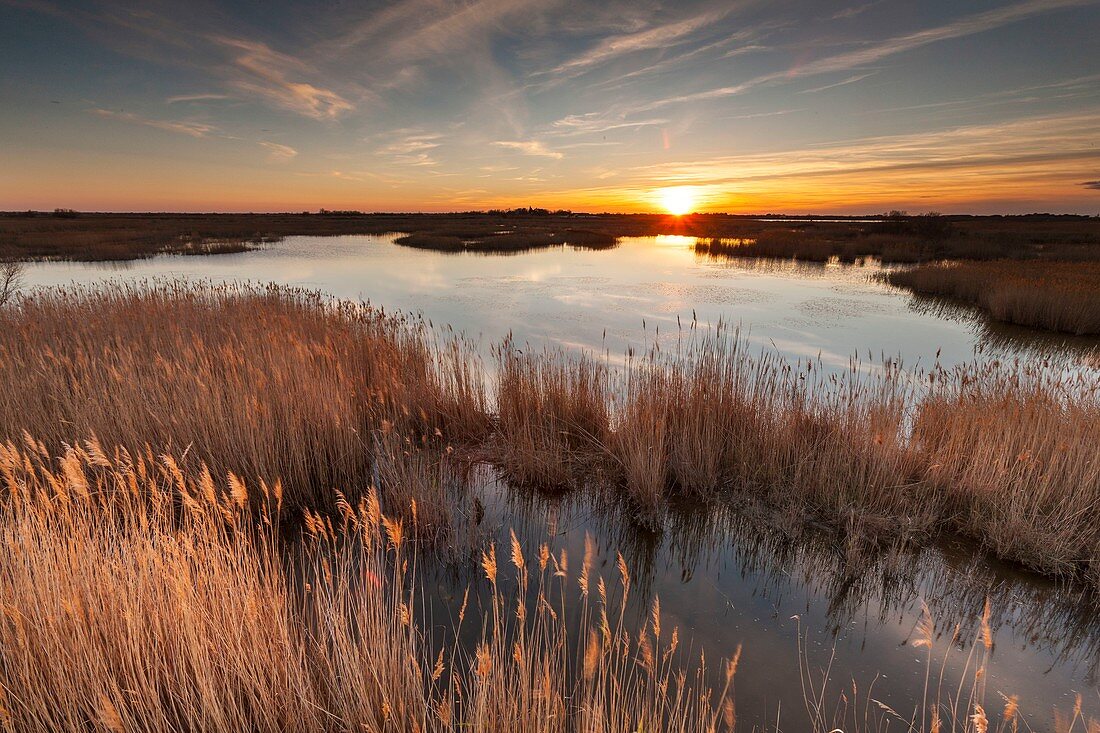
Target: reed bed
551	414
1000	453
1057	296
275	384
139	598
269	382
708	419
1014	452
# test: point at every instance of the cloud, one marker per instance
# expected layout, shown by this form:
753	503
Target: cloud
195	98
276	77
854	10
657	37
193	129
843	82
993	150
969	25
595	123
416	29
1094	185
409	143
529	147
411	147
279	153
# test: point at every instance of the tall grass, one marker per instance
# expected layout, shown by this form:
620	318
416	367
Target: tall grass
139	598
709	419
1014	452
551	414
276	384
269	382
1057	296
1001	453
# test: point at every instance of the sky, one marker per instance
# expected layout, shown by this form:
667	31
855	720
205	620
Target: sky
744	106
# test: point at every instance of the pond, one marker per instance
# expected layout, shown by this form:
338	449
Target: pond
723	579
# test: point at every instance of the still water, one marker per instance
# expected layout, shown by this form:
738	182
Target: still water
723	580
605	300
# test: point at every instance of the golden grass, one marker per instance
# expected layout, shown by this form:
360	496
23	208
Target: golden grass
275	384
1015	453
551	414
138	598
709	419
269	382
1057	296
1001	453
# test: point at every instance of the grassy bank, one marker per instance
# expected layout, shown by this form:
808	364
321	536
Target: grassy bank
73	236
1057	296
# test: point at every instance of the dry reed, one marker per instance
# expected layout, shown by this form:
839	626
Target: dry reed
266	381
1057	296
277	384
139	598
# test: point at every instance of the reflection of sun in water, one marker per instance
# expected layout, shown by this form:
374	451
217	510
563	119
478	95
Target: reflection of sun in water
678	200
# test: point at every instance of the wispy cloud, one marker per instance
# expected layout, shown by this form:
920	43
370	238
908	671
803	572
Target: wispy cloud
657	37
969	25
1094	185
411	142
841	83
996	146
408	146
210	97
259	70
595	123
279	153
854	10
407	31
183	127
530	147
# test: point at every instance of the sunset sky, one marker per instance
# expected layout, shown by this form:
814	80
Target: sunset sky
853	106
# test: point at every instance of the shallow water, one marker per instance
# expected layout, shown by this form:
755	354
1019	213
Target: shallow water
730	579
724	580
604	300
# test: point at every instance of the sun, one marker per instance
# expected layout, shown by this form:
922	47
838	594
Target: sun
678	200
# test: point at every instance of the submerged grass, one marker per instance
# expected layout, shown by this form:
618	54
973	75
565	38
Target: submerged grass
1057	296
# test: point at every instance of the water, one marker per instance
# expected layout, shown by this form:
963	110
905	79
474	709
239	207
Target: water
605	300
724	580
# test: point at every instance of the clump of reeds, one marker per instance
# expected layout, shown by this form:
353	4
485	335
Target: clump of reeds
551	414
1057	296
138	597
711	420
1014	450
265	381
